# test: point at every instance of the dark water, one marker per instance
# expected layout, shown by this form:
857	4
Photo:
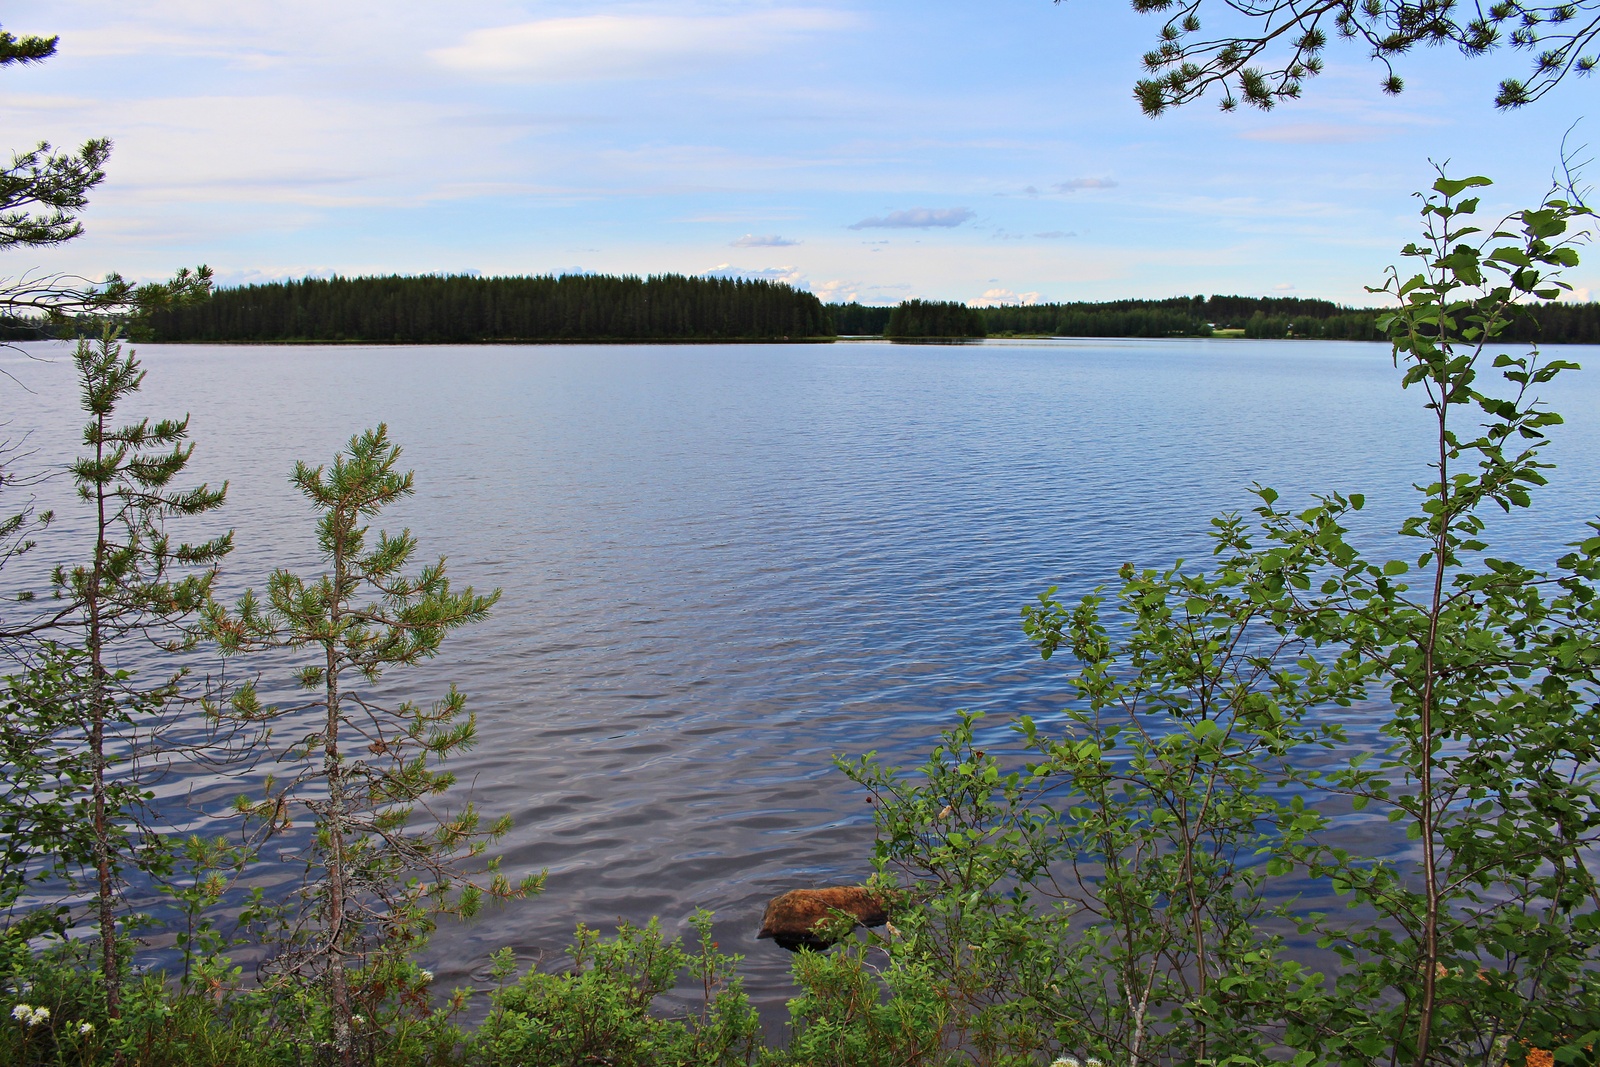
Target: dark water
723	565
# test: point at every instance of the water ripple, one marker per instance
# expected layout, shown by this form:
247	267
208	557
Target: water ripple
725	564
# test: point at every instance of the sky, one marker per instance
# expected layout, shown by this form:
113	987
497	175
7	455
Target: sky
987	151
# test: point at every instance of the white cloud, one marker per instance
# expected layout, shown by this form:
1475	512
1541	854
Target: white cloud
1000	297
917	218
603	47
751	240
787	275
837	291
279	148
236	277
127	39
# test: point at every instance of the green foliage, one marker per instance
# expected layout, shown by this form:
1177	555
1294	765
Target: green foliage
858	319
29	49
1262	317
1097	886
138	588
386	857
1274	318
1493	670
54	1017
54	1014
599	1010
1103	899
1189	316
853	1016
42	190
1281	44
138	580
436	309
933	319
44	811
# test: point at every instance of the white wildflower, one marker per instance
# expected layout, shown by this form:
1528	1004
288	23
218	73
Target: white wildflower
1066	1061
426	976
30	1016
85	1029
358	1020
1092	1062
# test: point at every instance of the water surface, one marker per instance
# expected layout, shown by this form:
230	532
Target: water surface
722	565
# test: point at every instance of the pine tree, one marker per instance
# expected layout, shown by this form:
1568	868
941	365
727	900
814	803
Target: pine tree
387	861
138	586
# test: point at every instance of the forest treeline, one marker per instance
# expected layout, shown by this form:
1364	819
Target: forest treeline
1188	316
466	309
463	310
934	318
1200	316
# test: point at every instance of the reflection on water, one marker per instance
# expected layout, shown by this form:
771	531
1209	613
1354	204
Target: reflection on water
724	564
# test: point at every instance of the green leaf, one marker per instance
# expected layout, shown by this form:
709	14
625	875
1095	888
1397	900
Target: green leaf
1455	186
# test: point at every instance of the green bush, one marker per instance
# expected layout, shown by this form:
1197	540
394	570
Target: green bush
599	1010
53	1015
849	1015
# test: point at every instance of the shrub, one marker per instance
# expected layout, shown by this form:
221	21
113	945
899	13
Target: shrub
599	1010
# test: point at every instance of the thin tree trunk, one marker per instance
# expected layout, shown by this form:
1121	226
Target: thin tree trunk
111	969
1430	929
338	984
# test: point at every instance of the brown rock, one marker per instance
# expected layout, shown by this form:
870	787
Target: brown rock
801	917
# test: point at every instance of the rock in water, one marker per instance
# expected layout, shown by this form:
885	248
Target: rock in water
801	918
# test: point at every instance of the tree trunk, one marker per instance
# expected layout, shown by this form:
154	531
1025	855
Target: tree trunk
99	700
338	984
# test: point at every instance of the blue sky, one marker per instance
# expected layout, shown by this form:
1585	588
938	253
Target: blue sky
864	149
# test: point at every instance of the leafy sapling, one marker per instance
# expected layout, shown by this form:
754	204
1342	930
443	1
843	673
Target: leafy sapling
1101	887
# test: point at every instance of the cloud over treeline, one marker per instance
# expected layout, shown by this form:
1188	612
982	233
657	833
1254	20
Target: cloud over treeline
787	275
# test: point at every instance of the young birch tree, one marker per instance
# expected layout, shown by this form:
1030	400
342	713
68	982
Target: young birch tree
1105	891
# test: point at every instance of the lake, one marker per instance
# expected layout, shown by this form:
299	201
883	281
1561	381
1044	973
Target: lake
723	565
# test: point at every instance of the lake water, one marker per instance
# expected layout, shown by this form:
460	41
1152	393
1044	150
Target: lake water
724	564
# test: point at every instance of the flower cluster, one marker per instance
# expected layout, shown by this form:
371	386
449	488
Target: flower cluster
30	1016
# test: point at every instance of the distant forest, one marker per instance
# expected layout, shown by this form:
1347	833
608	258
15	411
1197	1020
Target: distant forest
934	318
464	309
670	307
1199	316
1185	316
